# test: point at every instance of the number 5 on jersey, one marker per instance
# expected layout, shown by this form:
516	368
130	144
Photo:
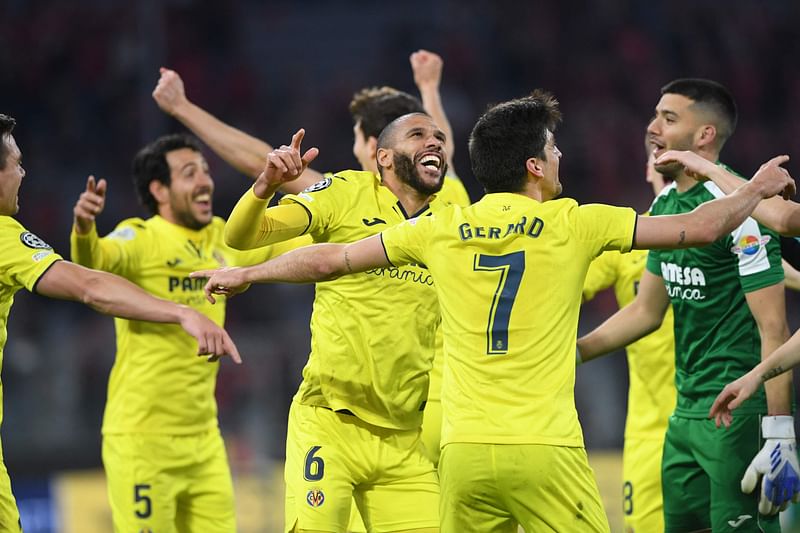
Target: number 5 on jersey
511	267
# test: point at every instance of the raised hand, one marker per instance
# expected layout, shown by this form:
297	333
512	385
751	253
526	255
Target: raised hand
284	164
90	204
774	179
694	165
732	397
212	340
227	281
427	68
169	93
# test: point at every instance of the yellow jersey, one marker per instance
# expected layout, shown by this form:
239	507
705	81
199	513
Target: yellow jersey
158	385
509	273
651	359
372	334
24	260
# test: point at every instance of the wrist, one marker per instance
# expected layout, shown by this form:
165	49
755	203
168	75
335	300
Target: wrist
263	190
777	427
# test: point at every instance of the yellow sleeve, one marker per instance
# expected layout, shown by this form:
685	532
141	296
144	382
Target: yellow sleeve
601	275
604	227
118	252
252	224
25	256
265	253
406	243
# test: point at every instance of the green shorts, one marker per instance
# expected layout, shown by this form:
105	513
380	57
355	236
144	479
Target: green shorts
701	474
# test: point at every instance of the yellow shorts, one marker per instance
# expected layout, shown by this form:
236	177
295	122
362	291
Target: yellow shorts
642	503
169	483
332	458
496	487
9	514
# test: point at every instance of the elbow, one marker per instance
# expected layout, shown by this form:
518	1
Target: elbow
325	270
93	293
237	242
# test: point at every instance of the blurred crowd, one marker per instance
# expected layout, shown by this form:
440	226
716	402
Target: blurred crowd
78	76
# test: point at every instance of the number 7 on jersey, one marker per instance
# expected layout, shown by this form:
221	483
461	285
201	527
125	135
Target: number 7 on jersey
511	267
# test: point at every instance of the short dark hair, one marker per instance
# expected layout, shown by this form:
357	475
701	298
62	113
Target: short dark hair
507	135
7	124
376	107
150	163
711	96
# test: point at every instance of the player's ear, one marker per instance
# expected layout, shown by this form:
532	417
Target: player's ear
384	157
706	135
159	191
534	166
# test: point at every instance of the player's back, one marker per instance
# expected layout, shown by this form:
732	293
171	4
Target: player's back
509	272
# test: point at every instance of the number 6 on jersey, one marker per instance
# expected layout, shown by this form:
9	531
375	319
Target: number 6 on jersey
511	267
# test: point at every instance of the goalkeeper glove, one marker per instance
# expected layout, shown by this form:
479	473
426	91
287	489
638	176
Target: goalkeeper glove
776	465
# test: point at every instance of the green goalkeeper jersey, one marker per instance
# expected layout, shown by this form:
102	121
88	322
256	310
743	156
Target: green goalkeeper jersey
716	337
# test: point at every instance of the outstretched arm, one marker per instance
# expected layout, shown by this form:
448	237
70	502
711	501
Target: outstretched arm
711	220
775	213
319	262
113	295
643	316
427	67
245	153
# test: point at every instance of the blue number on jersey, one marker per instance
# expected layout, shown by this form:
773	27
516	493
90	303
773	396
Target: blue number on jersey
511	267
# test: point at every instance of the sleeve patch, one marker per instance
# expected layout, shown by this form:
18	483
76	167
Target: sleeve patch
122	234
38	256
32	241
320	185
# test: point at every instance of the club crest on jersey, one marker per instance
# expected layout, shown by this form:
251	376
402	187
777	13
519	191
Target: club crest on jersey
315	497
320	185
32	241
750	244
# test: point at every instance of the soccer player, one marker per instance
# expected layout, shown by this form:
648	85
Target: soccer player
728	301
163	453
508	273
28	262
651	371
371	109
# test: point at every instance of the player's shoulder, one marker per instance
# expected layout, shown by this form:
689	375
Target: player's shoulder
11	228
345	183
131	228
662	198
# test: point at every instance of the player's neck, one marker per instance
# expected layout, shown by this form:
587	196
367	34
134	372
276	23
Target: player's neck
411	199
683	182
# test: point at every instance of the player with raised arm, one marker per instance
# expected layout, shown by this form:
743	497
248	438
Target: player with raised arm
512	445
164	457
28	262
728	300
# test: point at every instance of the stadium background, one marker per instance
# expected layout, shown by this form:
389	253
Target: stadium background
78	77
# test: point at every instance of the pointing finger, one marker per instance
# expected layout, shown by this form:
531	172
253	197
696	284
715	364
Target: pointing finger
297	139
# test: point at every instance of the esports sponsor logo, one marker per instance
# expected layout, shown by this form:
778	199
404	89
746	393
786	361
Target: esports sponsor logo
750	244
32	241
315	497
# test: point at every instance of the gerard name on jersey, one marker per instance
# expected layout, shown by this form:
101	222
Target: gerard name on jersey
532	229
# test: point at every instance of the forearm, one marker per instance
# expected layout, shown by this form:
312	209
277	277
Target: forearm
624	327
432	102
87	250
318	262
778	389
252	224
245	153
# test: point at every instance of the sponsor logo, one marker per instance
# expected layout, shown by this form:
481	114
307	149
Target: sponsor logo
38	256
32	241
175	262
373	221
750	244
320	185
741	519
123	234
315	498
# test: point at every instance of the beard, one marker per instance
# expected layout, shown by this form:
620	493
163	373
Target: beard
406	170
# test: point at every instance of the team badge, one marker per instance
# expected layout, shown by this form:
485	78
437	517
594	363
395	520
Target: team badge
315	497
32	241
320	185
750	244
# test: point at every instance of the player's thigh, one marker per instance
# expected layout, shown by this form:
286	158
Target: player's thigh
550	487
471	499
642	503
725	455
432	429
403	492
207	503
323	463
9	514
141	491
685	485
